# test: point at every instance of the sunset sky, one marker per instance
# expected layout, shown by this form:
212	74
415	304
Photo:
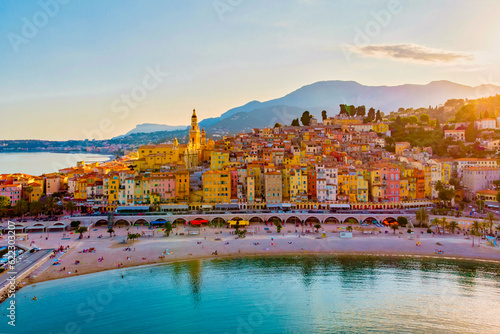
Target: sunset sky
66	68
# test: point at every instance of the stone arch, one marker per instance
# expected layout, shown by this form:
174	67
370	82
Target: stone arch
141	221
218	221
273	218
101	222
370	220
122	222
388	221
331	220
179	221
256	220
312	220
293	220
351	220
236	218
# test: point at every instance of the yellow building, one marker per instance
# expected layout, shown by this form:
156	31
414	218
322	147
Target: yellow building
219	159
380	127
401	146
182	185
298	183
362	185
216	187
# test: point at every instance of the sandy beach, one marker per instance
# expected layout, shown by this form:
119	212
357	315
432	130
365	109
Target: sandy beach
160	249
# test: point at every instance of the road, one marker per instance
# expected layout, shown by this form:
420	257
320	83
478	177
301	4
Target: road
25	264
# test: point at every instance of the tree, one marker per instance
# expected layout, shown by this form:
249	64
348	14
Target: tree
278	225
277	125
467	113
28	190
394	227
402	221
413	119
436	222
35	208
80	230
4	204
306	118
4	201
351	110
437	126
452	226
424	118
474	230
133	236
422	216
49	205
446	195
324	115
348	228
343	110
20	208
75	223
295	122
111	231
70	206
168	228
371	114
480	205
317	226
470	133
490	218
378	116
361	111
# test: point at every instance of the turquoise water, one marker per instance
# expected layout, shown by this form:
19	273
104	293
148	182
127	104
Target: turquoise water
270	295
36	163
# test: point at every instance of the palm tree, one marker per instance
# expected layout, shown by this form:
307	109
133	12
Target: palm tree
317	226
50	205
28	190
452	226
490	218
278	225
111	231
422	216
394	227
480	205
81	230
348	228
474	230
484	227
444	224
71	207
435	222
168	228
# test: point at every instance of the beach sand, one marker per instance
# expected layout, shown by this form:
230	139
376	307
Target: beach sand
150	250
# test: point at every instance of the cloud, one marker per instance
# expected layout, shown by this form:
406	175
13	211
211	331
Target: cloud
412	53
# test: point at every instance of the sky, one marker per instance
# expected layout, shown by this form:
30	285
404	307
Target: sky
74	69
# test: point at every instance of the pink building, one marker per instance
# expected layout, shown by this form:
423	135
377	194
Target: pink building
234	183
11	191
53	184
164	186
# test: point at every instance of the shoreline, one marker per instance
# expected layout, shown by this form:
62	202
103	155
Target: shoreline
34	281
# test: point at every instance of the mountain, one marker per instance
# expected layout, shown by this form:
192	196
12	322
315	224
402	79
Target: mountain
149	127
328	95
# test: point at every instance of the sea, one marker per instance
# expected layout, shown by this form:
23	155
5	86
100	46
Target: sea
38	163
288	294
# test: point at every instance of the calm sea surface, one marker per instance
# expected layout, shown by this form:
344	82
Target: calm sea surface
269	295
39	163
